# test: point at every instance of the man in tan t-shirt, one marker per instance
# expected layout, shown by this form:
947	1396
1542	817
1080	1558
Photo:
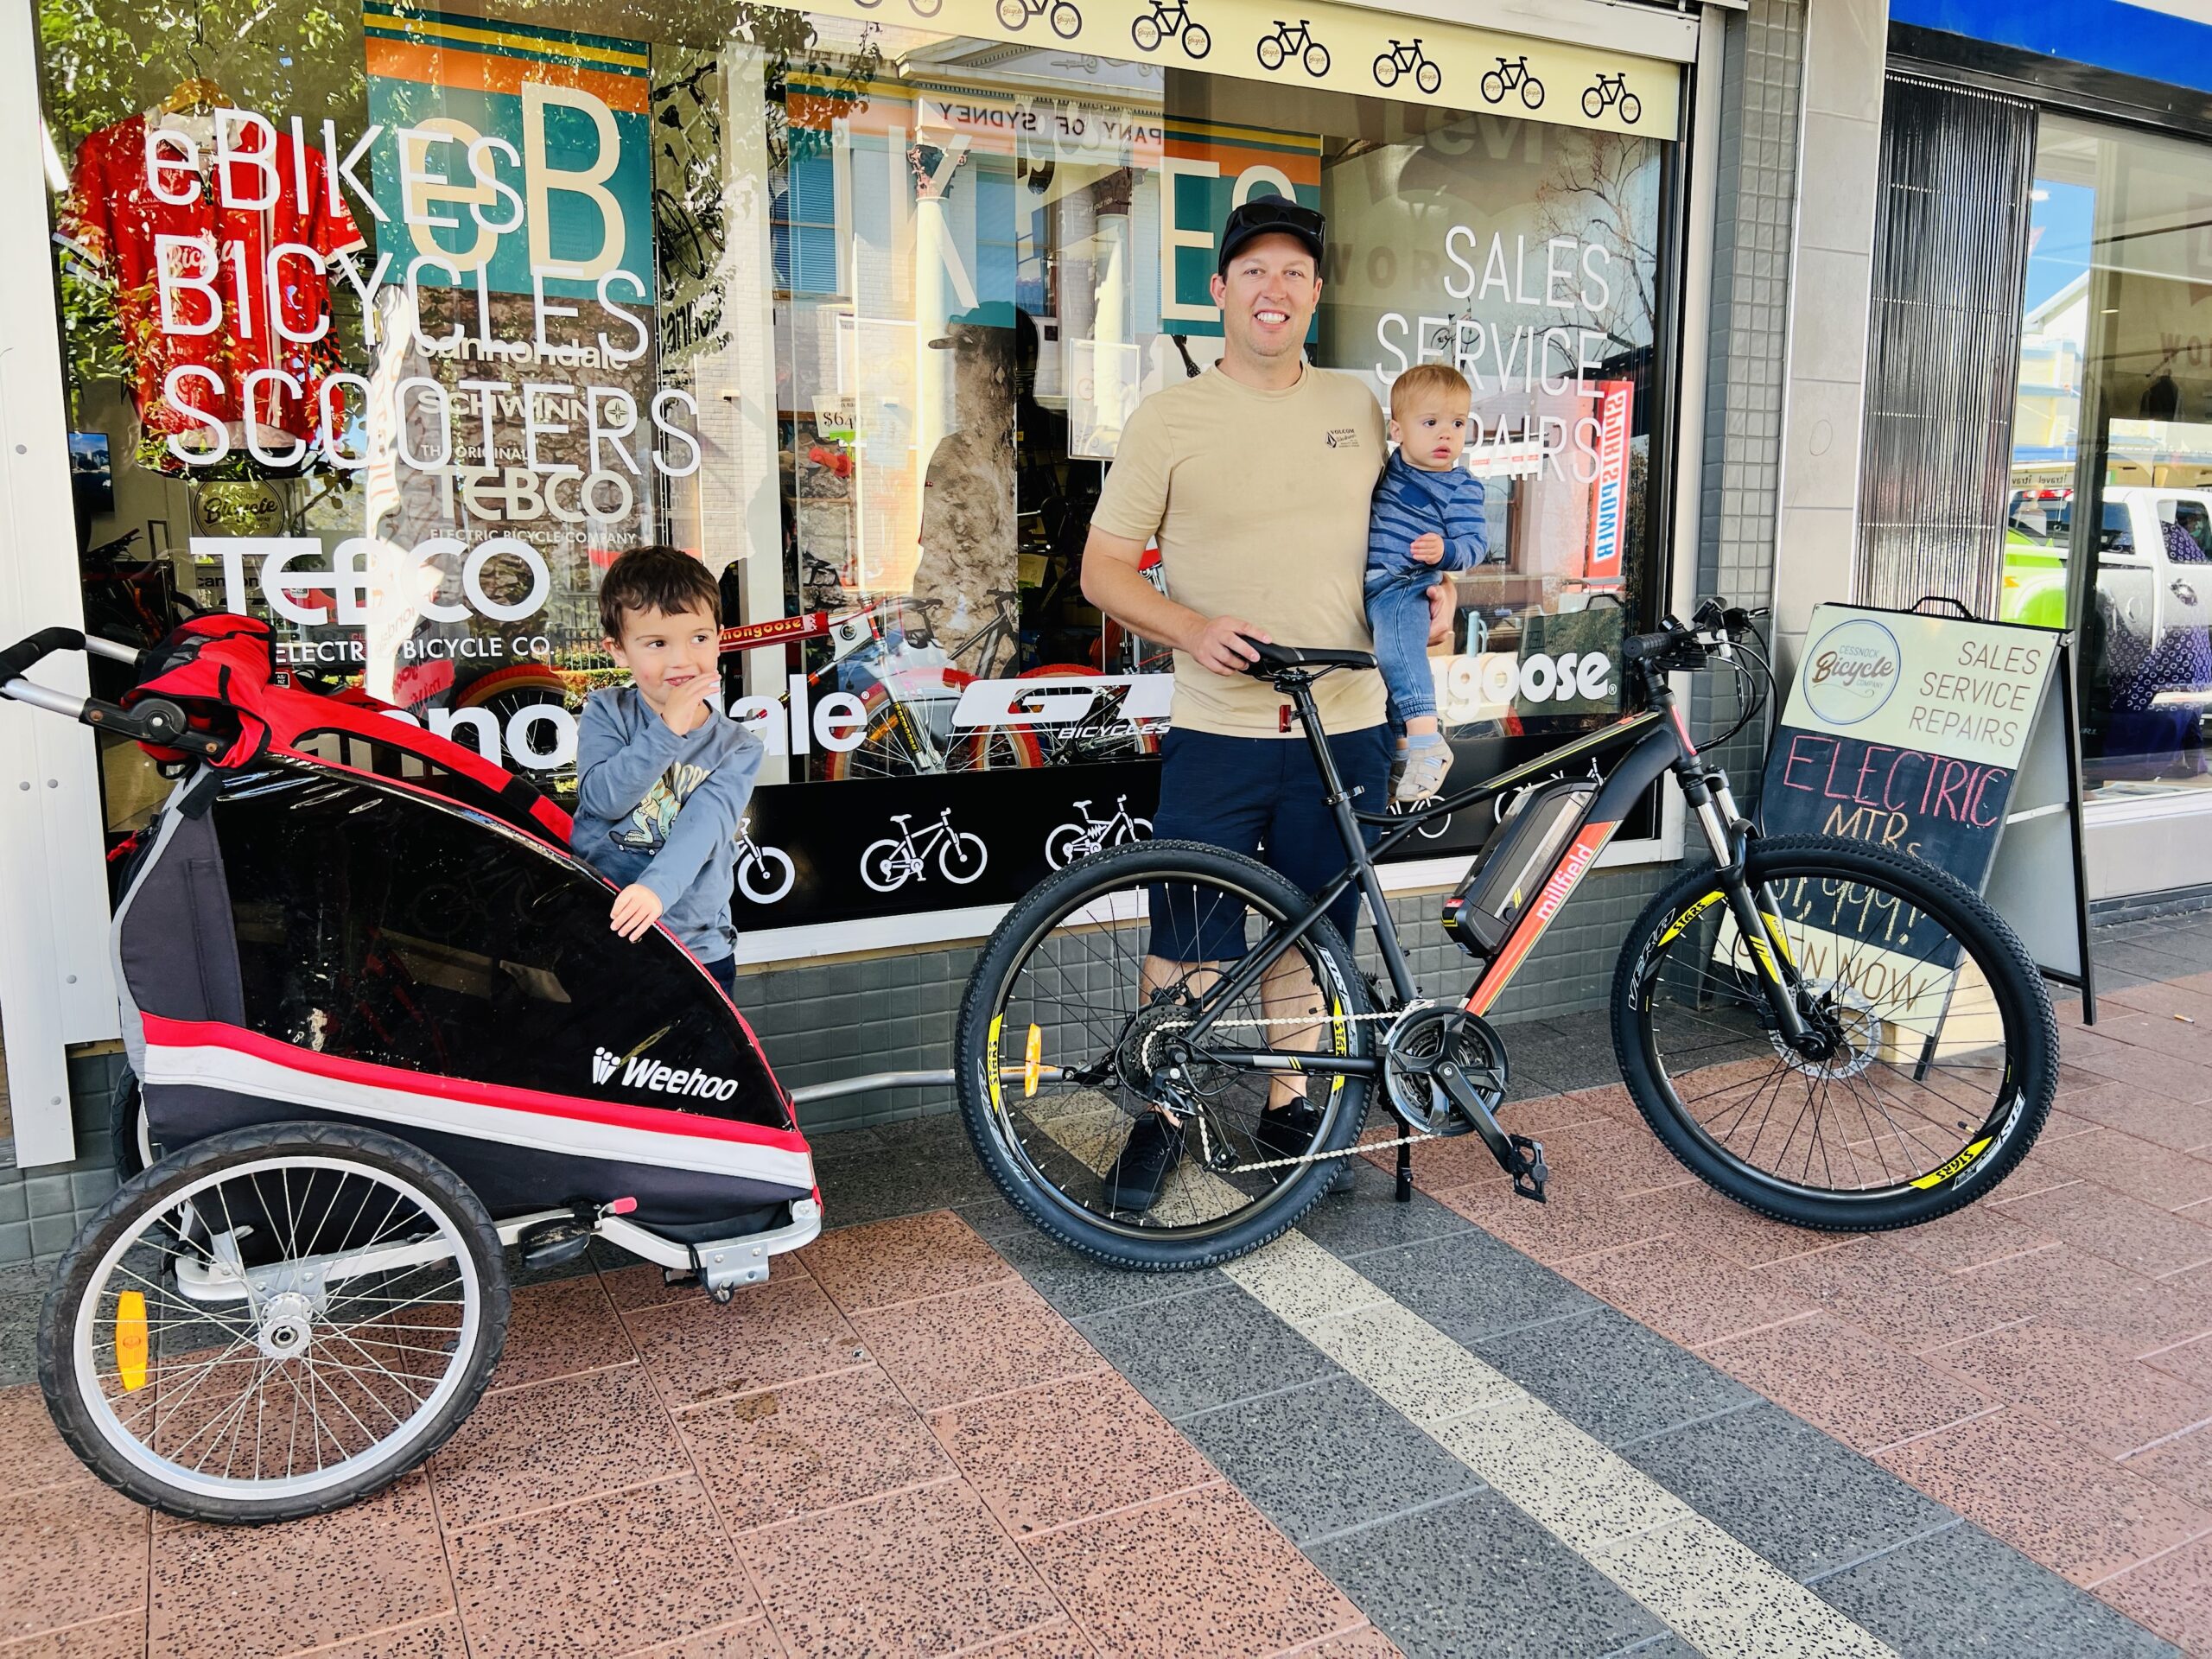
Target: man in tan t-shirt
1255	479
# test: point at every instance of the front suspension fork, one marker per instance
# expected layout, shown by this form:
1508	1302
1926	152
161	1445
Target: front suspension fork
1728	834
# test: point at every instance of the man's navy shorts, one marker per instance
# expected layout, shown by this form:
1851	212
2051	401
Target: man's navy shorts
1261	795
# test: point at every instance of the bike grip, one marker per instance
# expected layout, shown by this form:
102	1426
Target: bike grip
21	657
1637	646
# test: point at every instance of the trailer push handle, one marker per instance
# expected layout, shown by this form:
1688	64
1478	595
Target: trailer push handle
154	720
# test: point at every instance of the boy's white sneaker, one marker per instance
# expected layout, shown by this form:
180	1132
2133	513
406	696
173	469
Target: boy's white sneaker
1428	757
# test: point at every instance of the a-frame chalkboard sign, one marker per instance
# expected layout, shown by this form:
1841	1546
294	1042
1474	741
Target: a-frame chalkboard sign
1955	740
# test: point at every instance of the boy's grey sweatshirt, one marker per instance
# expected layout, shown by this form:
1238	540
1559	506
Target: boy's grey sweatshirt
662	808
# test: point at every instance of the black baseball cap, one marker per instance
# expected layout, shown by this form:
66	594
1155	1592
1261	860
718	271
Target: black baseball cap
1270	216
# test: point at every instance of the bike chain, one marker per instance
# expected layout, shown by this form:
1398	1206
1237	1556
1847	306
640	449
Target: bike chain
1358	1148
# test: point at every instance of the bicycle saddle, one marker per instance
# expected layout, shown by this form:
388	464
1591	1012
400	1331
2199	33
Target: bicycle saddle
1276	660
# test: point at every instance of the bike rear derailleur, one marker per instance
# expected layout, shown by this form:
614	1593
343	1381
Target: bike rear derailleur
1446	1071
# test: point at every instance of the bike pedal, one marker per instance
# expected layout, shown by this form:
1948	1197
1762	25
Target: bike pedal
1530	1176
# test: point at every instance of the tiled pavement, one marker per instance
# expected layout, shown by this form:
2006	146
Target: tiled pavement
1634	1420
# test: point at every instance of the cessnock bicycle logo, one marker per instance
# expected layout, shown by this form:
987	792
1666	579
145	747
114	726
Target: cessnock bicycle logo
639	1072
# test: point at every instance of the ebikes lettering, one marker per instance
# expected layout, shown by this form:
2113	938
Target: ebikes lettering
644	1073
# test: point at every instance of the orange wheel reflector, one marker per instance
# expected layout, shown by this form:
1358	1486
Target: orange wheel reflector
130	1339
1029	1056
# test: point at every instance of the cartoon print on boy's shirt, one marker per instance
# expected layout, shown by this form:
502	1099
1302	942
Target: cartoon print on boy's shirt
647	829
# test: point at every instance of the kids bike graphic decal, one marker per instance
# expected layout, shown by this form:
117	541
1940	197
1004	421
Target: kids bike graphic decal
889	864
1509	73
1164	22
765	874
1612	89
1070	842
1287	42
1067	21
1407	59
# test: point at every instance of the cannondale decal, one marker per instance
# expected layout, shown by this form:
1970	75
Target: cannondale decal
639	1072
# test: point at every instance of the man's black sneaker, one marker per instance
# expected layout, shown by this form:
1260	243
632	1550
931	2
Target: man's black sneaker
1149	1157
1288	1133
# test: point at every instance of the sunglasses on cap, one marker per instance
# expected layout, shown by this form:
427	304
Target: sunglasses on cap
1270	216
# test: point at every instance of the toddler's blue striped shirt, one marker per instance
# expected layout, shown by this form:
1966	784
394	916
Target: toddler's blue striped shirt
1410	504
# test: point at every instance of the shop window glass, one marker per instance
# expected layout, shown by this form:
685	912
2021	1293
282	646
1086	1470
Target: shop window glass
2115	408
853	304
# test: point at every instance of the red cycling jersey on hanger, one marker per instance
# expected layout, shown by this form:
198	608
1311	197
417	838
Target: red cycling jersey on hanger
113	216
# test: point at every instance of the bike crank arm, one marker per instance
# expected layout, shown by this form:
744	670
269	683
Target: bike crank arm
1516	1155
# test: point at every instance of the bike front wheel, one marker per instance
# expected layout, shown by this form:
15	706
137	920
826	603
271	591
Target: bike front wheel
1089	979
1936	1049
1317	60
962	857
1196	42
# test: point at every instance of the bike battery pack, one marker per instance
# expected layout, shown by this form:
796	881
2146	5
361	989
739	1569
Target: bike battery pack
1509	871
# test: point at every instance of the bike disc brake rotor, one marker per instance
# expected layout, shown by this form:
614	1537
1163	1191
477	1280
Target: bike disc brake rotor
1854	1030
1426	1037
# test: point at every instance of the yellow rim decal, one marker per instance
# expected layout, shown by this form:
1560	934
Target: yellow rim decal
1030	1055
1674	930
1938	1177
1339	1035
991	1058
131	1340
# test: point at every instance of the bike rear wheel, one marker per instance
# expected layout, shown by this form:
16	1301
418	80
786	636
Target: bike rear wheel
273	1323
1940	1050
1065	978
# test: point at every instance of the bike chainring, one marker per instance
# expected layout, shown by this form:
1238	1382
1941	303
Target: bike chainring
1426	1036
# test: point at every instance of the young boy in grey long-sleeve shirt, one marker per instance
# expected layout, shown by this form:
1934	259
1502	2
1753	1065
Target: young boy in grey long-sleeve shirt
663	777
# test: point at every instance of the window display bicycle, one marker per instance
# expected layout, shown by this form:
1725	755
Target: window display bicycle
1831	1034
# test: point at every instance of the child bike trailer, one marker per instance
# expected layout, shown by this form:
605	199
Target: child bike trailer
382	1030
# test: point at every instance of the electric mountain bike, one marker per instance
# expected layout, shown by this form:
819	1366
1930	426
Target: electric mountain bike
1831	1034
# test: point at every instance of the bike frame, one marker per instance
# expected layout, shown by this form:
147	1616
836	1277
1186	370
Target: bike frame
1654	741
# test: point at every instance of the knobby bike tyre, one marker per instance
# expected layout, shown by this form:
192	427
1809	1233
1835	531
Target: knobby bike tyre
1941	1084
1059	1200
156	1221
